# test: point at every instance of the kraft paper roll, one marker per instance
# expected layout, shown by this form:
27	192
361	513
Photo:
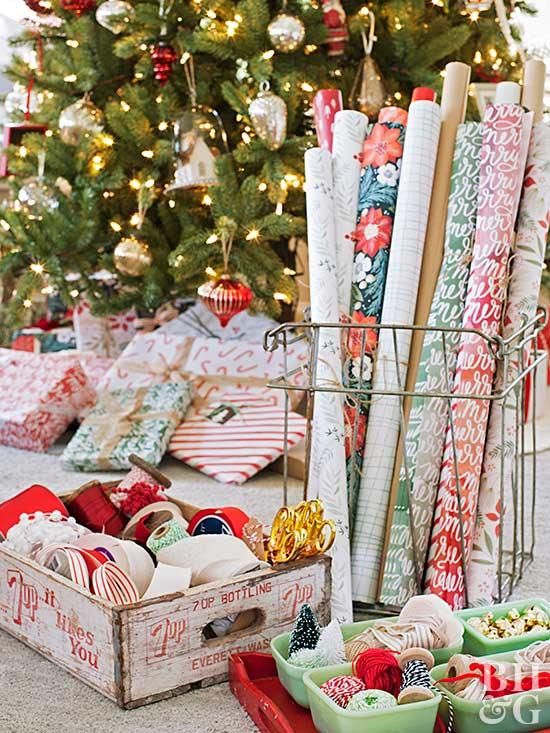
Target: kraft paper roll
506	135
454	100
350	128
211	557
140	565
534	77
327	470
409	232
168	579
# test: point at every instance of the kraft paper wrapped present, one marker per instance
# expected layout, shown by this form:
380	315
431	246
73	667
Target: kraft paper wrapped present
40	395
234	434
107	336
127	421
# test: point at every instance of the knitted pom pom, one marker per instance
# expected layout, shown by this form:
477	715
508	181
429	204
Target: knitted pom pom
307	658
342	688
306	631
371	700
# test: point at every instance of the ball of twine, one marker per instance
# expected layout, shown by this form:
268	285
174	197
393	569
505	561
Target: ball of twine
342	688
379	670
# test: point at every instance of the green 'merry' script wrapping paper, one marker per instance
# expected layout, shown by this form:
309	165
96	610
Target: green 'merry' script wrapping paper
428	419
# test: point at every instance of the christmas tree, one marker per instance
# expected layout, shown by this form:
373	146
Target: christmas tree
174	134
306	631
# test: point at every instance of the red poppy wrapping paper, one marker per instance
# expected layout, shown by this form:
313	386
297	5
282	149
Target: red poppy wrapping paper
380	170
502	163
407	243
523	292
40	395
107	336
327	470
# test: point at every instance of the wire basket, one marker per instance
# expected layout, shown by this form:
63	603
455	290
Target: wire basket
515	357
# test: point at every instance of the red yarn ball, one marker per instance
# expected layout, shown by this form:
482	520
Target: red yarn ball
379	670
341	689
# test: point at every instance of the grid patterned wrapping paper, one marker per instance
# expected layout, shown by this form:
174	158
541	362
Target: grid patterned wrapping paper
350	128
506	136
409	231
428	418
234	434
381	167
523	292
327	476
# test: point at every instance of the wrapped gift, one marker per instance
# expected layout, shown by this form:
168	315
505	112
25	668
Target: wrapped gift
127	421
40	395
236	434
95	367
199	321
44	342
106	336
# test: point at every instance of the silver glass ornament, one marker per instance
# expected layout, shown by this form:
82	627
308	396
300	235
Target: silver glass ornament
80	120
286	32
35	197
268	115
115	15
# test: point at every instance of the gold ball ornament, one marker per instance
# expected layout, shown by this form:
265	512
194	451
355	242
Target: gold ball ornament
286	32
132	256
79	120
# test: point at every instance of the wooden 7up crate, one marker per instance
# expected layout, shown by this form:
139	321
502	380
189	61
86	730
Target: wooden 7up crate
153	649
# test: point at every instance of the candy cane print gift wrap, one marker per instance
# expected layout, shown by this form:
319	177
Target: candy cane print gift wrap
506	133
327	476
523	292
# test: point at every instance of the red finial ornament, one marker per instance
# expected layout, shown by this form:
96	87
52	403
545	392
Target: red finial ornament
164	57
78	7
225	297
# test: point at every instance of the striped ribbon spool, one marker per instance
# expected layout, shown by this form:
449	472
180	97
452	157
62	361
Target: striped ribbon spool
66	557
113	584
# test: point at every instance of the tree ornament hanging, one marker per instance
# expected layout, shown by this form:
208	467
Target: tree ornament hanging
199	138
225	296
42	7
35	196
23	99
368	93
286	32
79	120
164	57
306	631
334	18
132	256
78	7
268	115
114	15
477	6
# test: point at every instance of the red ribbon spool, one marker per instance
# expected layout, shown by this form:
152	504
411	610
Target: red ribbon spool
34	499
91	507
223	520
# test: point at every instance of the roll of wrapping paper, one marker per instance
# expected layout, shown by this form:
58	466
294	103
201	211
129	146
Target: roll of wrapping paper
381	160
419	477
327	472
409	232
527	263
350	128
506	134
326	103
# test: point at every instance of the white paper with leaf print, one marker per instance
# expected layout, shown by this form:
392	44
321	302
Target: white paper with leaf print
527	263
327	474
350	128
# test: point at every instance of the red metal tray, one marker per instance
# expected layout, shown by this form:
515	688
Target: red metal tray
254	682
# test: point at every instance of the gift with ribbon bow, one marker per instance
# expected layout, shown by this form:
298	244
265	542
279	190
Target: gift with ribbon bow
40	395
128	421
107	336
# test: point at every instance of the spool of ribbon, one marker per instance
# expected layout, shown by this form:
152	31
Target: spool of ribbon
167	579
300	531
112	583
224	520
67	561
144	522
112	548
34	499
91	507
165	535
140	565
416	685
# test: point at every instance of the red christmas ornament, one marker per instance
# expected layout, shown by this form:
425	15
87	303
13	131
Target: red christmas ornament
38	6
78	7
164	57
225	297
334	18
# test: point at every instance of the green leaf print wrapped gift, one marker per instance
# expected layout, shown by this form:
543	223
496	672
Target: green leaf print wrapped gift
128	421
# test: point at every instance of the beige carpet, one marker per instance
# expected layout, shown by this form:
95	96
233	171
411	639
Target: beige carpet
36	696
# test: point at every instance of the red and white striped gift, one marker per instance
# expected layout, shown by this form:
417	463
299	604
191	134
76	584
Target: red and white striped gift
251	437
